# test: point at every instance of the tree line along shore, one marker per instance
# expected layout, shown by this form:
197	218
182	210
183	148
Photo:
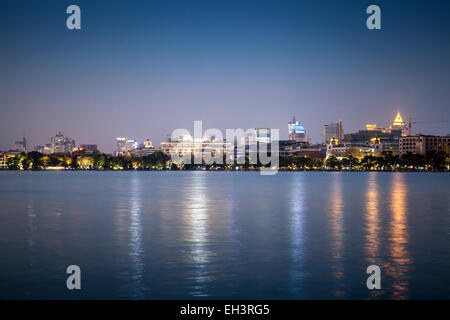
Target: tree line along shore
387	161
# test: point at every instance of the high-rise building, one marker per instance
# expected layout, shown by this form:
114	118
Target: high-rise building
333	131
130	145
61	144
19	147
120	146
124	145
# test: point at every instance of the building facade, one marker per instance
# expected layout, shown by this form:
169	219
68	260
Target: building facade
423	144
61	144
19	147
186	144
4	160
289	148
333	131
384	139
341	151
296	132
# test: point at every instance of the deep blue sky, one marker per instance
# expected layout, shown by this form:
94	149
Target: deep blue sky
143	68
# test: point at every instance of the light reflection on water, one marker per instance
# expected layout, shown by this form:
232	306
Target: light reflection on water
135	229
32	229
400	260
372	219
373	237
195	219
235	235
298	211
336	205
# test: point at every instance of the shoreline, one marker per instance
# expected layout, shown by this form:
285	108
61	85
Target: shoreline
228	171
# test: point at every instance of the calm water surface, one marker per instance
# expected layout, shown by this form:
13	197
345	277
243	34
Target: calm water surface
224	235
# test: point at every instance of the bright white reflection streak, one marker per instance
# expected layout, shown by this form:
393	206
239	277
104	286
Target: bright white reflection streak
197	233
135	230
297	205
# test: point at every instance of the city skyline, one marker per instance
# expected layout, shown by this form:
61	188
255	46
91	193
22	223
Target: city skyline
290	126
162	66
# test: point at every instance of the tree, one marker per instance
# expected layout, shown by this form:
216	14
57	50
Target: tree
369	162
413	160
390	160
435	160
99	161
333	163
56	160
85	162
15	163
27	163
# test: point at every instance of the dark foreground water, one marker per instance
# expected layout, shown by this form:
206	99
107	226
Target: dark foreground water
224	235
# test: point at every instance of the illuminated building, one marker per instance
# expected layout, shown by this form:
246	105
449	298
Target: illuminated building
89	148
186	144
341	151
334	141
422	144
298	133
47	148
86	149
289	148
145	149
40	149
333	131
125	145
382	139
61	144
130	145
148	143
143	152
291	125
120	146
399	124
4	160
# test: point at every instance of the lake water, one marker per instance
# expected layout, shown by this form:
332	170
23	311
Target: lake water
167	235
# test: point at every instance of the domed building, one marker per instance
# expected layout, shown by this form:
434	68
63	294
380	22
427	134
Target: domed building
296	131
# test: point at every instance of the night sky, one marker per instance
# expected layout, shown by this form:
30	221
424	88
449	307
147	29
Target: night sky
144	68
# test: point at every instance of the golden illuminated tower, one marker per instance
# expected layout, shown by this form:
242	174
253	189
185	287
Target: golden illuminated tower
399	124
